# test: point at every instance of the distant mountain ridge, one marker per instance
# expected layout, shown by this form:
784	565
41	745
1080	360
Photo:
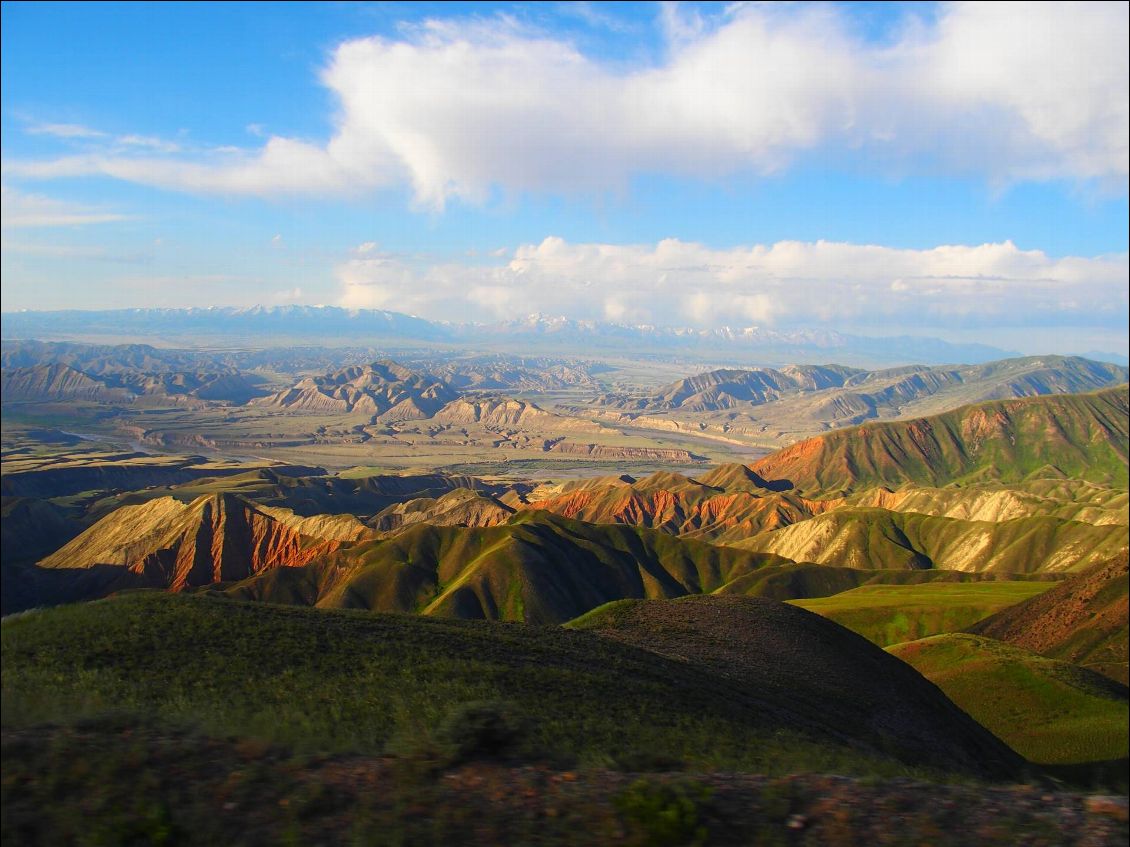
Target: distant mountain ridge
288	323
61	382
852	393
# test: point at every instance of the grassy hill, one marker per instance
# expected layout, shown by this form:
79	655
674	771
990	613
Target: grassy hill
538	568
1083	436
1047	710
1083	620
341	680
890	614
797	664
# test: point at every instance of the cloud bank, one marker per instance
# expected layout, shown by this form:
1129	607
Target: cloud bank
20	210
790	283
1007	92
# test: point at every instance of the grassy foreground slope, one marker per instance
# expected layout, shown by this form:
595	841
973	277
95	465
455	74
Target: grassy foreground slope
801	666
1083	436
1082	621
1049	711
339	680
890	614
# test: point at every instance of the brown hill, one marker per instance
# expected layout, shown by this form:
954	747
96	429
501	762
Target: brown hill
817	673
1077	435
1082	621
383	389
218	537
725	504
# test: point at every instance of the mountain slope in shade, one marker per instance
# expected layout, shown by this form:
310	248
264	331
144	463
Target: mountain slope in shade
539	568
215	538
1082	436
383	389
1048	711
1083	621
802	665
30	528
878	538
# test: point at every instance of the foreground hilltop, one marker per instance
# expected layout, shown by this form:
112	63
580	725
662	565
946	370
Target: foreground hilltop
588	694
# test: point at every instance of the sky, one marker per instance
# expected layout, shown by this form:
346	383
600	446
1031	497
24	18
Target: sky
954	170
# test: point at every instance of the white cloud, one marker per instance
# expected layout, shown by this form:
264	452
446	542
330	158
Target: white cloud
1010	92
61	130
19	210
789	283
149	142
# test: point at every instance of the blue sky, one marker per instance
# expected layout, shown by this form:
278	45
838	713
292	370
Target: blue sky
953	170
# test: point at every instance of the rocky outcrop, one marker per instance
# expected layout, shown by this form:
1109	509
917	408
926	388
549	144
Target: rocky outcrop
215	538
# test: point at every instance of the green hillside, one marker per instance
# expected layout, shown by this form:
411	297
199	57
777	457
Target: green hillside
1082	436
798	664
538	568
341	680
1082	621
802	581
890	614
1047	710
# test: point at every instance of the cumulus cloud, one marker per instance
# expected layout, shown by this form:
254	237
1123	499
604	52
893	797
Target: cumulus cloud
21	210
790	283
1006	91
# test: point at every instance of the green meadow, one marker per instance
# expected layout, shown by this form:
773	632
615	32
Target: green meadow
890	614
1049	711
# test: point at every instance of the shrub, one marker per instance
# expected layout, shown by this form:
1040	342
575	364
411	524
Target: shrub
664	814
483	730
